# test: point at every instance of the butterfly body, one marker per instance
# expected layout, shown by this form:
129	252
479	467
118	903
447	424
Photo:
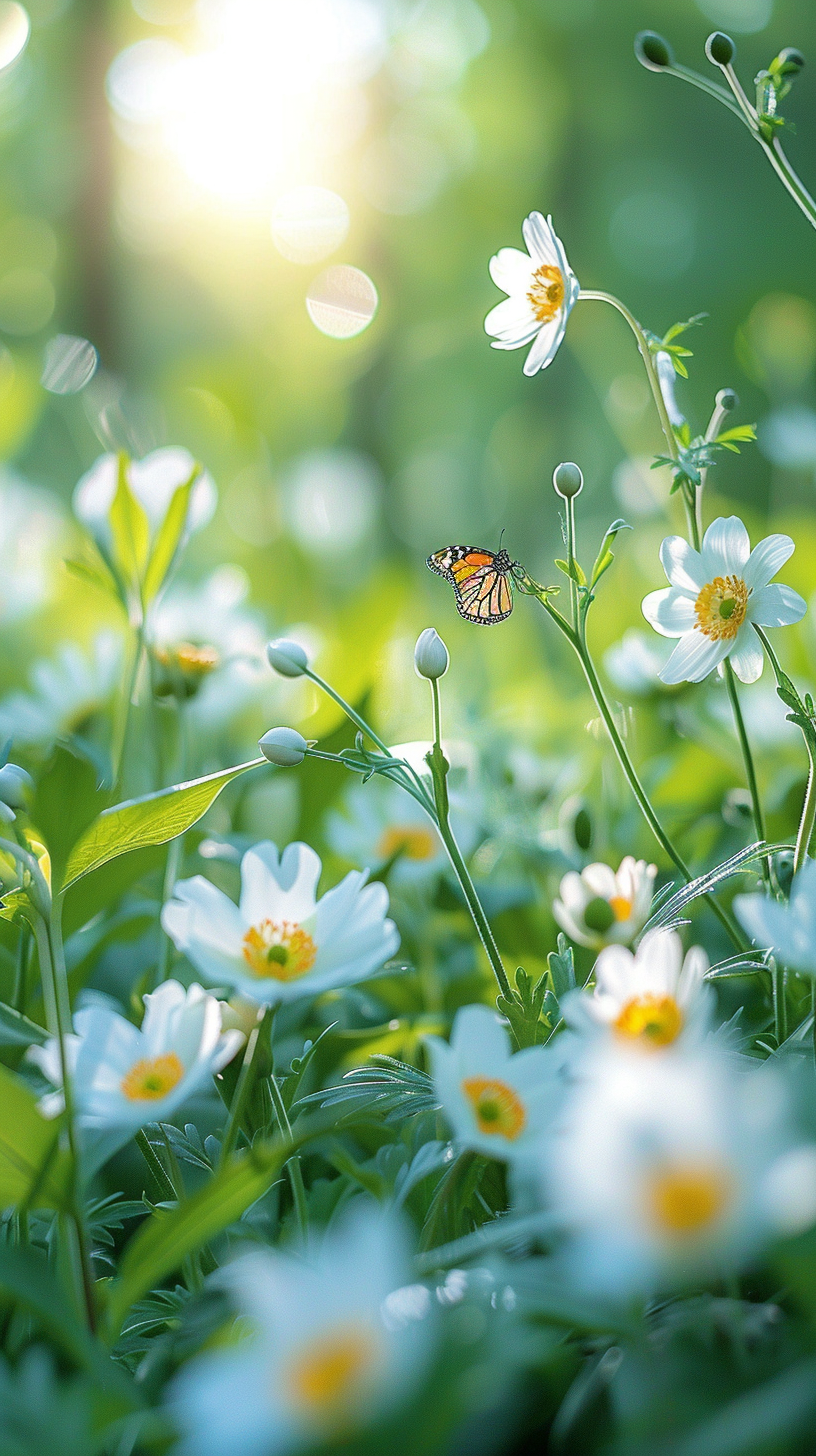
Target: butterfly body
481	581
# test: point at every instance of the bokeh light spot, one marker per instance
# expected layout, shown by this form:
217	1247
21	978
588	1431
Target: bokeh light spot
15	28
69	363
342	301
331	500
745	17
309	223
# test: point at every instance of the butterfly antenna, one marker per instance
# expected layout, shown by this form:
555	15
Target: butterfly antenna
501	538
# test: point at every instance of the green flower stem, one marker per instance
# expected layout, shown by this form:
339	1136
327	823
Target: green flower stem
578	642
347	709
123	728
293	1167
808	815
438	765
247	1078
571	548
748	760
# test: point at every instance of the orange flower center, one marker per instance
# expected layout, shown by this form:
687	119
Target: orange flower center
546	294
408	842
621	907
325	1376
497	1108
197	661
152	1078
279	950
686	1200
721	607
655	1021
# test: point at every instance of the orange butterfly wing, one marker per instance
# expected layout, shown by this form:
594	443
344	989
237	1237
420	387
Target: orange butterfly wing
482	591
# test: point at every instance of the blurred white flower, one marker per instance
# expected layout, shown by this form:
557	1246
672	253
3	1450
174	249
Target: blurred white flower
601	906
634	664
541	288
649	999
153	481
714	597
65	691
322	1358
209	646
380	822
30	532
497	1102
123	1077
664	1169
788	930
282	943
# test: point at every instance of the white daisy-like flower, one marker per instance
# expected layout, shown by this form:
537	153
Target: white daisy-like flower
496	1101
323	1358
601	906
66	690
541	288
153	480
281	943
31	535
123	1076
209	646
714	597
650	999
668	1168
380	823
788	930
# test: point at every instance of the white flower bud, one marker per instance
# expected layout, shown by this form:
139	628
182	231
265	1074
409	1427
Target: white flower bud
568	480
287	658
430	654
283	746
15	785
664	365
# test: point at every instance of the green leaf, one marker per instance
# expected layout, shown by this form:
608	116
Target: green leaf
130	528
680	328
523	1009
66	801
605	557
17	1030
561	965
153	819
96	573
26	1277
168	538
32	1169
573	570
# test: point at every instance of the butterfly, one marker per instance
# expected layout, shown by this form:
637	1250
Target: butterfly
481	581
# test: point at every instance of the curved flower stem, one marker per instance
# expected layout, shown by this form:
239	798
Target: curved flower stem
748	760
787	692
578	642
808	817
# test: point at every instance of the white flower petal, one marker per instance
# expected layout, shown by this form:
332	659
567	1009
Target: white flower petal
683	565
765	560
540	239
777	606
513	322
746	655
546	346
694	657
726	547
277	887
670	611
511	270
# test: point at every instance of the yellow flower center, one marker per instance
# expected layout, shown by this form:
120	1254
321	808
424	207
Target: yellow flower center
546	294
279	949
497	1108
685	1200
655	1021
325	1376
152	1078
408	842
621	907
721	607
196	661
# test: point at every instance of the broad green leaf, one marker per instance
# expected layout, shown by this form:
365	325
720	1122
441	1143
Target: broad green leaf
96	573
17	1030
153	819
605	557
32	1170
168	538
130	528
66	801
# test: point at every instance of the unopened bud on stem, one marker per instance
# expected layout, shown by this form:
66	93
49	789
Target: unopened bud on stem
727	400
720	49
287	658
283	746
790	61
568	480
430	655
15	785
653	51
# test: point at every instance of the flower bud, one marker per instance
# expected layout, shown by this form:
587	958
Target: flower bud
568	480
653	51
430	655
287	658
239	1014
720	49
790	61
727	399
15	785
283	746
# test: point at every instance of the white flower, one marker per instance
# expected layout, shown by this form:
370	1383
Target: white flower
634	663
209	646
322	1360
123	1077
497	1102
30	531
153	481
788	930
66	690
664	1169
601	906
542	289
281	942
715	595
649	999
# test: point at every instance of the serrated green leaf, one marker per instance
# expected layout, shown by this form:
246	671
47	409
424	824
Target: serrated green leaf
153	819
